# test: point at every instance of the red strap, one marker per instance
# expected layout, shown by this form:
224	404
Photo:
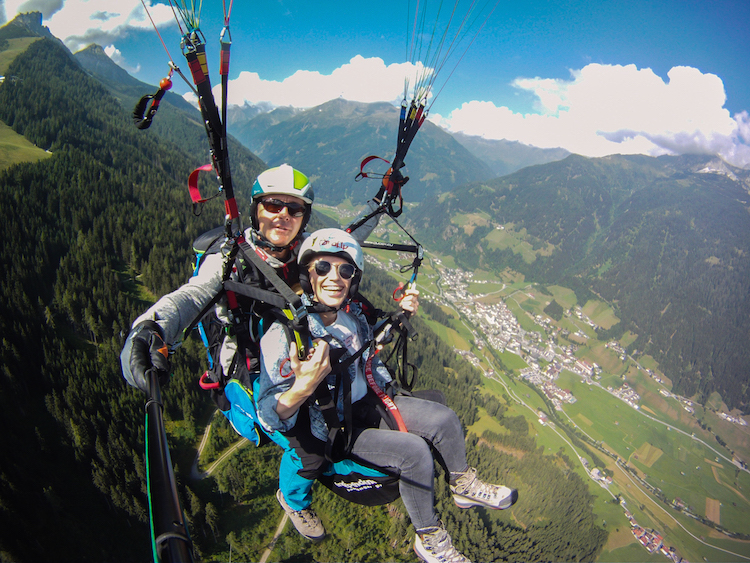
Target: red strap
196	68
230	206
206	383
195	195
224	67
387	401
365	162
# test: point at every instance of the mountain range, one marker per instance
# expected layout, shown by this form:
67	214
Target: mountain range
661	234
665	240
92	235
667	234
331	140
104	226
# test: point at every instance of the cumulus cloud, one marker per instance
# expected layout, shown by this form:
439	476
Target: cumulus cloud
78	23
361	79
47	7
116	56
609	109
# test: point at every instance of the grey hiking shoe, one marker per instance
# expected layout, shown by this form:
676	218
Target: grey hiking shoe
306	521
470	491
434	545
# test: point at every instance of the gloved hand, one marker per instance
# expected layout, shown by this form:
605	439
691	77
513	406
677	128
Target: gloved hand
144	350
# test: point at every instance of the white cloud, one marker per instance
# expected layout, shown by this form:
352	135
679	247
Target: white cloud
46	7
600	110
610	109
78	23
361	79
116	56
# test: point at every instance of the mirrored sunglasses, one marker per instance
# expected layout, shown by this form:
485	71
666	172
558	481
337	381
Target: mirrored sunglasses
276	206
345	270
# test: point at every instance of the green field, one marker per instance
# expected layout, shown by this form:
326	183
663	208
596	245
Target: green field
463	340
15	47
669	453
15	148
601	314
564	296
516	305
682	469
517	242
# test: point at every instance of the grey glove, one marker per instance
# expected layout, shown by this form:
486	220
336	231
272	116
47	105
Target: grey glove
145	349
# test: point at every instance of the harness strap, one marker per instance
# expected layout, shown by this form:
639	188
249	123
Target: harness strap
384	398
292	300
339	442
294	309
256	293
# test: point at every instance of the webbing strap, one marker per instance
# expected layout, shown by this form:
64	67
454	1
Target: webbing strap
256	293
339	442
195	194
291	298
293	307
384	398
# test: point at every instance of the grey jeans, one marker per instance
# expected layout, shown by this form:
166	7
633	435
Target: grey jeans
409	455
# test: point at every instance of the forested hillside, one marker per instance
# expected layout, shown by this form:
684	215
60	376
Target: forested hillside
666	241
330	141
90	236
109	205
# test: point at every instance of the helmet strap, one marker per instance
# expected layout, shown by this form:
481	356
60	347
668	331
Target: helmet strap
261	242
320	308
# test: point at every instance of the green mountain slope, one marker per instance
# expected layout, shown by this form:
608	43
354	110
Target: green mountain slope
328	142
666	240
505	157
176	120
93	233
14	148
109	205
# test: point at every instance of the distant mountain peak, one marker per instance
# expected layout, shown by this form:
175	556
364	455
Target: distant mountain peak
718	166
28	24
94	50
504	156
95	60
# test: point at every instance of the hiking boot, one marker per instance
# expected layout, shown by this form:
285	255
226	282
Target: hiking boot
434	545
306	521
470	491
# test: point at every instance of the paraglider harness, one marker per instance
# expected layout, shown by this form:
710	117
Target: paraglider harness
259	297
168	544
255	300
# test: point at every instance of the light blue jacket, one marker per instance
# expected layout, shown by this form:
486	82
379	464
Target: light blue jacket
274	348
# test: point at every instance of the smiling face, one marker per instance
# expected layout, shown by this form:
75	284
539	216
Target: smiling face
279	228
329	289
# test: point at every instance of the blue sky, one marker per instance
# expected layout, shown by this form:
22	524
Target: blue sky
652	77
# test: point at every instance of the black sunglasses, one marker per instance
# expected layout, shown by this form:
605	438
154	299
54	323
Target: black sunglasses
345	270
276	206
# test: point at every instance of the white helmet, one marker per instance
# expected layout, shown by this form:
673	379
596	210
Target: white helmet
282	180
331	242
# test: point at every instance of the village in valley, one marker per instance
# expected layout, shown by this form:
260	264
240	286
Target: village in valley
493	324
545	350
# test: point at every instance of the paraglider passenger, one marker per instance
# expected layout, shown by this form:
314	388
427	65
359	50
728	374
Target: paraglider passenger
281	205
331	266
282	199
